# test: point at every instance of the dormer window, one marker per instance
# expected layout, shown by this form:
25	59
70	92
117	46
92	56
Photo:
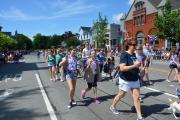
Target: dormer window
139	5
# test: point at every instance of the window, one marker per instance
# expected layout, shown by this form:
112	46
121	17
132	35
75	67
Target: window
142	19
139	5
139	20
134	20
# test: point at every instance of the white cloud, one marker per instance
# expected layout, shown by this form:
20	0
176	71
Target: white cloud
13	13
117	17
130	2
59	8
78	7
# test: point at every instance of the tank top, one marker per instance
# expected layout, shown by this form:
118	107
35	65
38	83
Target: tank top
72	63
51	60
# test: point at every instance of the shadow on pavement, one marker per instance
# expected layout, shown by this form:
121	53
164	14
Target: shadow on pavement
154	109
11	70
153	94
9	111
88	100
159	80
148	110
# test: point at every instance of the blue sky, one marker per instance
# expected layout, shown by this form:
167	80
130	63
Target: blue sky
56	16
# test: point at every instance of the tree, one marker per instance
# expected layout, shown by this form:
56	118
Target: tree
6	42
44	42
41	41
100	30
55	40
73	42
168	23
23	42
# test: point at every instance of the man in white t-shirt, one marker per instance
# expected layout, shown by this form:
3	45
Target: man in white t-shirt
86	54
86	51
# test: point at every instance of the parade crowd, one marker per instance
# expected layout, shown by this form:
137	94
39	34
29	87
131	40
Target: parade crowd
90	63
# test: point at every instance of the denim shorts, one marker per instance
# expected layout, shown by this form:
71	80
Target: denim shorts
71	75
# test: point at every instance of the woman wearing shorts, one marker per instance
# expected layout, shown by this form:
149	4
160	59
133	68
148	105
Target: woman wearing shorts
71	75
92	75
173	64
59	57
51	65
128	78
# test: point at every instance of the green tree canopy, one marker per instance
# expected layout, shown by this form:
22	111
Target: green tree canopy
44	42
168	23
73	42
6	42
41	41
100	30
23	42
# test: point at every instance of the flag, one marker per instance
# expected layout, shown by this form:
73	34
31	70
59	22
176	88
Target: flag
152	38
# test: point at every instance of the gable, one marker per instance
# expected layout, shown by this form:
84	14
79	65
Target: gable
149	9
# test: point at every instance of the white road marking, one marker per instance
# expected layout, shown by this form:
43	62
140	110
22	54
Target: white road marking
6	94
17	78
46	100
152	89
8	78
171	85
22	60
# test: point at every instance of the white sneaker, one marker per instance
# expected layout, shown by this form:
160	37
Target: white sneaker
70	105
168	80
140	118
57	77
74	102
62	80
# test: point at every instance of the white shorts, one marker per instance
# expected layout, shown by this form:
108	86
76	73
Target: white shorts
128	85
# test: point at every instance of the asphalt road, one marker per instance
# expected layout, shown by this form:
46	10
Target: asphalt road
23	98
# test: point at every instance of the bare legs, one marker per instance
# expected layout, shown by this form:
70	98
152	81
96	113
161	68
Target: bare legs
71	85
135	96
117	98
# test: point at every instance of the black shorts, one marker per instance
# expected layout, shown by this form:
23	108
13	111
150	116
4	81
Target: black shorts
93	84
171	66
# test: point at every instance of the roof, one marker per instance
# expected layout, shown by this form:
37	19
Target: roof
175	3
155	3
159	3
85	28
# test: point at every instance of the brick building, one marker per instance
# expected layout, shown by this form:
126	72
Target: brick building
140	19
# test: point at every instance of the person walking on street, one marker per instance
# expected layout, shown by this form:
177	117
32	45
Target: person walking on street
71	75
101	59
141	58
59	57
85	54
128	78
111	64
51	64
148	54
92	75
174	62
